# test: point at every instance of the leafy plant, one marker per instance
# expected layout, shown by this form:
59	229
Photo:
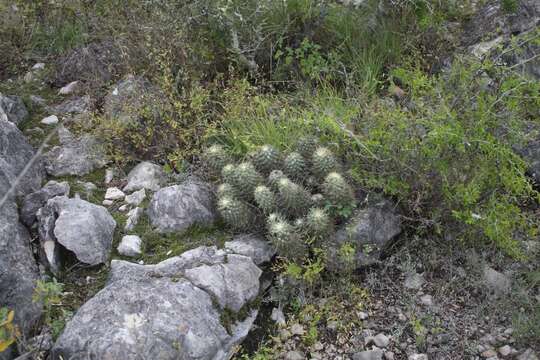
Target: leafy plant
49	293
8	330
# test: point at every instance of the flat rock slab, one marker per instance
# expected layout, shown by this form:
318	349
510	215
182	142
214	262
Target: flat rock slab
81	227
154	312
176	208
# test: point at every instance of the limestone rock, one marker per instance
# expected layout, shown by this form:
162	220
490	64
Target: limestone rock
12	109
136	198
251	246
36	200
18	270
370	231
145	176
133	217
81	227
153	312
130	246
15	154
76	156
176	208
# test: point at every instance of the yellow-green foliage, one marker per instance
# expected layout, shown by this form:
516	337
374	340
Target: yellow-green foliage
8	330
448	155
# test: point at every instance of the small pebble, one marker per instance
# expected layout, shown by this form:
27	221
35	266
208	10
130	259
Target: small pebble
114	193
50	120
297	329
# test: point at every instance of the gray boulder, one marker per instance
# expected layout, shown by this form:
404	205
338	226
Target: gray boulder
251	246
36	200
494	32
12	109
130	98
94	64
176	208
75	156
15	154
370	231
496	282
81	227
154	312
75	105
145	175
18	271
492	21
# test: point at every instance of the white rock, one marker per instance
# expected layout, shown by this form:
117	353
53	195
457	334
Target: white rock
38	66
362	315
114	193
109	175
278	316
427	300
124	208
133	218
50	120
130	246
136	198
107	202
380	340
413	281
418	357
145	175
297	329
505	350
69	88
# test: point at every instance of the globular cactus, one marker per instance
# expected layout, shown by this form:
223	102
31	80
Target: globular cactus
306	146
225	190
317	200
243	178
337	191
236	213
247	178
284	237
295	166
266	159
274	177
323	162
216	158
228	174
265	199
295	199
318	222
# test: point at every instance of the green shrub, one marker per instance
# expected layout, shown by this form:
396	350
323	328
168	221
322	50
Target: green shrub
448	155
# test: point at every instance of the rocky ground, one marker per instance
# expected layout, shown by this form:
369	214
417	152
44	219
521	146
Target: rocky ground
149	272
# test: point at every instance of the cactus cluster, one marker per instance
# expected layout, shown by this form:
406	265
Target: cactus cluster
292	194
